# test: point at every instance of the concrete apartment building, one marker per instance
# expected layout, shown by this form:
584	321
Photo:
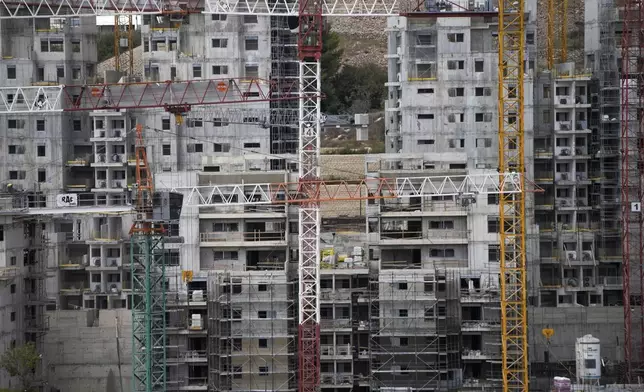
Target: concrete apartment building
412	303
577	145
442	119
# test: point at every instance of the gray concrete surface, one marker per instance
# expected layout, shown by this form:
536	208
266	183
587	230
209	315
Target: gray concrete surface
80	350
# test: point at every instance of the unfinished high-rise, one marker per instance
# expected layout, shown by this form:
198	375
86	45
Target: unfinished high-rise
441	119
576	285
413	302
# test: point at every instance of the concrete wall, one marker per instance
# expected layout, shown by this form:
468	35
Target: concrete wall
80	350
604	323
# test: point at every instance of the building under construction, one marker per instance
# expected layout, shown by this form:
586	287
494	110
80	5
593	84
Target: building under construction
411	302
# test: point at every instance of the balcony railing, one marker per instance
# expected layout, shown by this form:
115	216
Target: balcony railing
337	323
338	295
572	74
105	236
613	281
429	234
192	355
550	282
336	378
255	236
335	350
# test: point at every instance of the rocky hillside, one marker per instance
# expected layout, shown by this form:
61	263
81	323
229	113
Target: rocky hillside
108	64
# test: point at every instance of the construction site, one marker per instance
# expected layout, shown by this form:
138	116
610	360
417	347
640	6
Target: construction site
168	222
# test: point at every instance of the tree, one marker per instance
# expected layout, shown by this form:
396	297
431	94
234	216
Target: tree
21	362
330	63
348	89
361	89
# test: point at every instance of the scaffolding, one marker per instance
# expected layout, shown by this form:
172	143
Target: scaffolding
415	331
35	289
605	128
252	331
284	70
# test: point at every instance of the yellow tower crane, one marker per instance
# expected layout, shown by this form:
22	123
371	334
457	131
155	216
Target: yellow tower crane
123	38
557	15
514	339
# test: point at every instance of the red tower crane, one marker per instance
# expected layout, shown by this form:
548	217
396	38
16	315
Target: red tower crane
632	186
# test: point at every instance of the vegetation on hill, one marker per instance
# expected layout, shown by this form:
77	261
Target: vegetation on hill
349	89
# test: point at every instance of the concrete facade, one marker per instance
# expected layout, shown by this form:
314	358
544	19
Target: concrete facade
442	119
419	286
89	350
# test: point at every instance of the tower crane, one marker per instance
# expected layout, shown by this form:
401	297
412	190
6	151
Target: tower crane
632	188
557	16
148	282
310	15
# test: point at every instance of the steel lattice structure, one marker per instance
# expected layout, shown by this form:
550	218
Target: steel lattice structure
556	19
148	284
514	340
310	14
632	188
173	96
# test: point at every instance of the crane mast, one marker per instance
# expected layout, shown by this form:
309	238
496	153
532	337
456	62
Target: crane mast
632	187
147	261
514	339
309	50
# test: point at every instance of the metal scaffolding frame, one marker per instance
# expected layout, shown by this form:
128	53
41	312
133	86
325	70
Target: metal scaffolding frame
252	332
415	330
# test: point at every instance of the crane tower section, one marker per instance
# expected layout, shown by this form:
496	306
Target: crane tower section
514	338
632	188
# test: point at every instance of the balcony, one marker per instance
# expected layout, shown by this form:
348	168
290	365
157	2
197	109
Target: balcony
570	101
114	186
567	153
568	74
236	239
336	379
479	355
335	324
613	282
480	326
403	237
80	161
544	176
550	283
113	288
105	238
72	264
480	295
107	135
543	153
72	289
109	160
570	204
176	355
79	186
341	350
412	209
337	295
564	178
8	273
563	126
582	127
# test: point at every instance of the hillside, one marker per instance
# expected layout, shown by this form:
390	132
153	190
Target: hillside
364	39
